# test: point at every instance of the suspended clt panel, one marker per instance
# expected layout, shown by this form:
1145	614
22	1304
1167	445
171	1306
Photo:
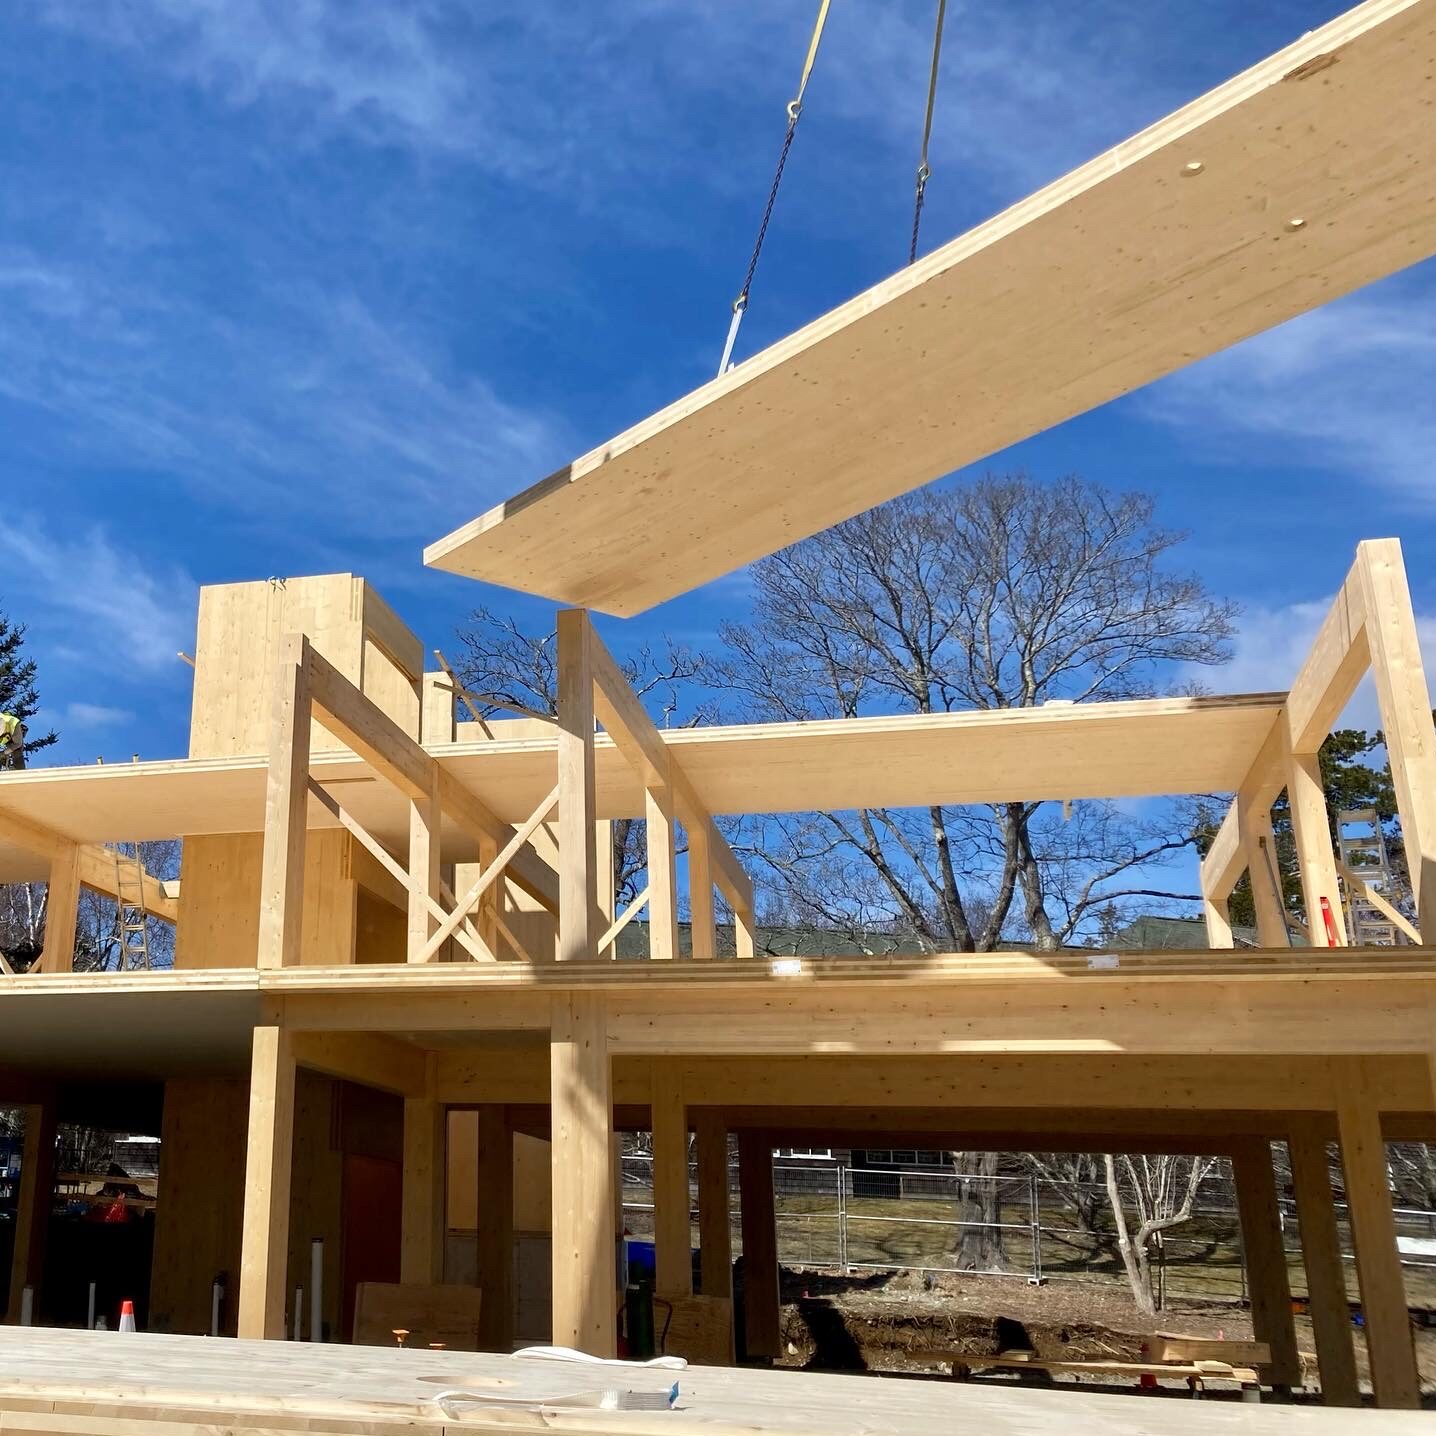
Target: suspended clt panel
1306	177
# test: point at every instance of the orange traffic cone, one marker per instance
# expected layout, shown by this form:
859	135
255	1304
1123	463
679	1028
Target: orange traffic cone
127	1316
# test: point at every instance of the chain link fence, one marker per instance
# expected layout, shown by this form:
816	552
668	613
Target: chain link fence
856	1219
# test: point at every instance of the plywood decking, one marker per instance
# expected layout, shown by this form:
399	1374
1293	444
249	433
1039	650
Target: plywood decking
1298	181
94	1384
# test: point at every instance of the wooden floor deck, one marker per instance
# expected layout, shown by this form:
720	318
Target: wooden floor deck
74	1383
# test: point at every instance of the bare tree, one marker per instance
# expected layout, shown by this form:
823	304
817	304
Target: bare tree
1075	1179
24	908
84	1151
1003	594
97	934
510	671
1163	1191
1413	1175
979	1208
22	923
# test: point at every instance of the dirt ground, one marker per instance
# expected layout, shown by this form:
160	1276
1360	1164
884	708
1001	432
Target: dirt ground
882	1322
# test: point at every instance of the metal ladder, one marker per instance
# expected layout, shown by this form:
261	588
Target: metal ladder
1364	852
131	916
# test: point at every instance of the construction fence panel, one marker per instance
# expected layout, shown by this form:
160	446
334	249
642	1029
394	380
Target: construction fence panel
835	1216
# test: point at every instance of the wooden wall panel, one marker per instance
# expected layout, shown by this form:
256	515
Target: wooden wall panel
219	901
529	921
381	929
533	1184
461	1200
199	1210
316	1193
237	647
533	1192
390	688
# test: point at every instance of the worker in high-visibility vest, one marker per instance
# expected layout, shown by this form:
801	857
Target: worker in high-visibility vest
12	741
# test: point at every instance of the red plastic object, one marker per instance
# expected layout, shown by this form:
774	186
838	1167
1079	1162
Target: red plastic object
1330	921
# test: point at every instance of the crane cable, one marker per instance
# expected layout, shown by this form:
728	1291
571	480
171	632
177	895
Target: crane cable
924	173
795	110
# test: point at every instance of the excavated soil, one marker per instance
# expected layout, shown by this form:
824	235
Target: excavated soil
885	1322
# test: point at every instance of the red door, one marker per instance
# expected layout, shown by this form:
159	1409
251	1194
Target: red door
373	1190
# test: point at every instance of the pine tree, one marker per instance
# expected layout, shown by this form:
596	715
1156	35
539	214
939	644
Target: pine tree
18	694
1349	782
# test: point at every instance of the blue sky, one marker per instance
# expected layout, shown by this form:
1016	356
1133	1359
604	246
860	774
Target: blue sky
298	287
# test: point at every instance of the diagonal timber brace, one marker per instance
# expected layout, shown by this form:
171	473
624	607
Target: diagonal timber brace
309	687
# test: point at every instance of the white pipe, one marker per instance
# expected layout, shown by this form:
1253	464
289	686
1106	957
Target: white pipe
27	1306
216	1302
90	1310
316	1289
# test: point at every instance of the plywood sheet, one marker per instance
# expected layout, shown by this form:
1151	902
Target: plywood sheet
1315	178
1139	748
429	1315
700	1329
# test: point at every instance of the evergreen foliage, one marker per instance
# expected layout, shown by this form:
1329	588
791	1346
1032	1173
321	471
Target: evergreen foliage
18	694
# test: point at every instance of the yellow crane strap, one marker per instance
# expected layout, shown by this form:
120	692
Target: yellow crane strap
795	105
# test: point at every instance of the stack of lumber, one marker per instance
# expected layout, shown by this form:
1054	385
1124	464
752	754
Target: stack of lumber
1195	1373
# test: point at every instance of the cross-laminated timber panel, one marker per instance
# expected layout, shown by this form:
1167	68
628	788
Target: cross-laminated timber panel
237	640
1015	1003
1136	748
90	1384
1036	1091
1168	1005
1298	181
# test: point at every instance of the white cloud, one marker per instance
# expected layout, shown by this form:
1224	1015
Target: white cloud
1347	388
1272	643
314	407
523	90
87	598
374	64
305	392
93	715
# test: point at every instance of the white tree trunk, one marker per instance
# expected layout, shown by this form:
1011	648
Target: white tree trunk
1134	1256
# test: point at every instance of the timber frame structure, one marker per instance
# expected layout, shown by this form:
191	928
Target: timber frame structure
396	1044
414	912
